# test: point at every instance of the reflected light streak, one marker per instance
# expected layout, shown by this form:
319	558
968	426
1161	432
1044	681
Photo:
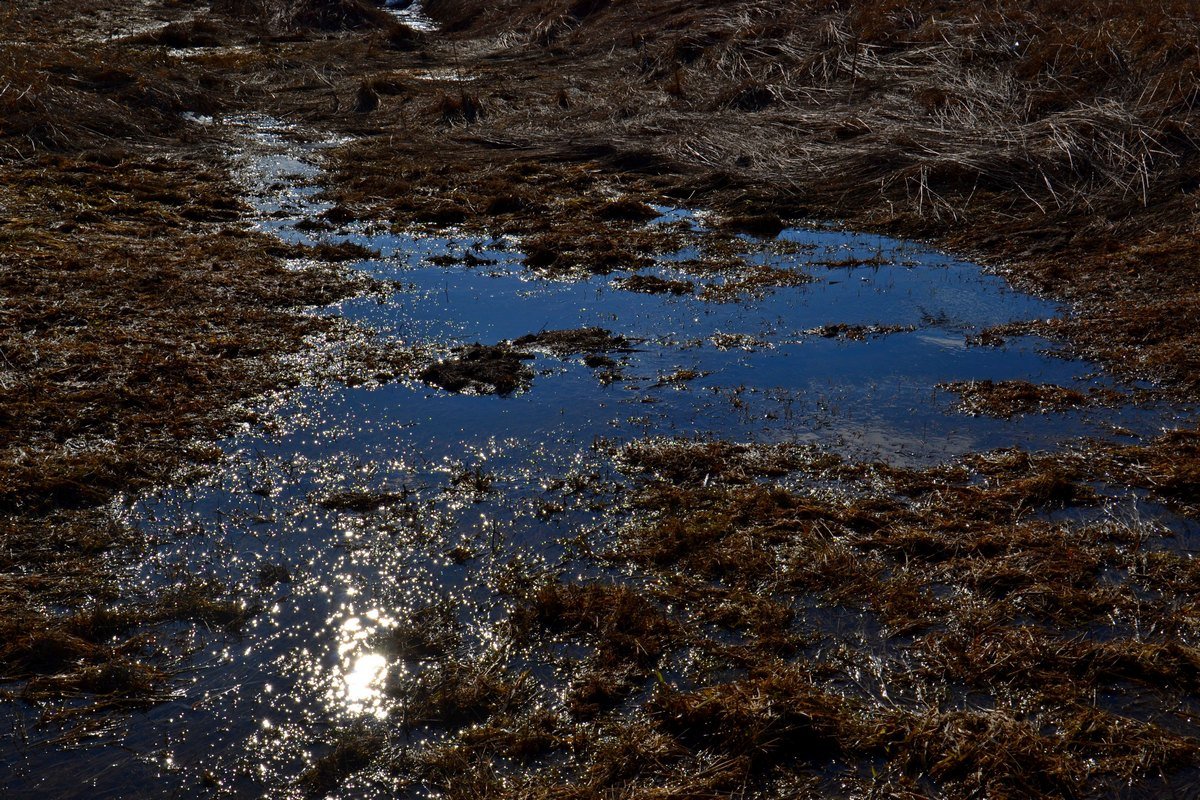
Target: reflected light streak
362	685
358	689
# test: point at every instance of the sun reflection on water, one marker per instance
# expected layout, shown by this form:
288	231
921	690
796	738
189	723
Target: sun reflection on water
362	671
362	685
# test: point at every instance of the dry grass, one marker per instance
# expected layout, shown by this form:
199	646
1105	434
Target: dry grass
1008	398
913	632
68	99
1062	144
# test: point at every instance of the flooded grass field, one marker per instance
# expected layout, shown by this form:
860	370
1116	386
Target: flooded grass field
471	399
386	536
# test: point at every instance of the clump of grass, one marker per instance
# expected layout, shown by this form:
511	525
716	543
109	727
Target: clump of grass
693	462
202	31
522	737
362	500
354	750
623	626
429	632
680	377
627	208
454	693
574	341
759	721
1007	398
754	282
651	284
462	107
476	482
857	333
481	369
569	224
765	225
1168	466
205	601
750	96
598	689
969	752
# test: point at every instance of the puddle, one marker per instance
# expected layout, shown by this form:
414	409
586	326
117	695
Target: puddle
363	505
411	13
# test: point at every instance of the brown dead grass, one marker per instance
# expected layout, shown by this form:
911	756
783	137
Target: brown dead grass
69	98
1008	398
1062	144
1013	656
139	311
1045	138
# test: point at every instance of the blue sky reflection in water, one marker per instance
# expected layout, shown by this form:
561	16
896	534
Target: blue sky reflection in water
465	484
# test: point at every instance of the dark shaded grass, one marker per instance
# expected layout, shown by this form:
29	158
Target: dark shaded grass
352	751
626	627
481	369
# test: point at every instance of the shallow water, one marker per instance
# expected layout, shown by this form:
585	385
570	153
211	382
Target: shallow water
410	13
478	481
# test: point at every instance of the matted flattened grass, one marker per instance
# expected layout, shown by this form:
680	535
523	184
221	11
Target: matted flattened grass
793	624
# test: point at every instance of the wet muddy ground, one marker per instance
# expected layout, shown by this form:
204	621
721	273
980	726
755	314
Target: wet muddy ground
579	487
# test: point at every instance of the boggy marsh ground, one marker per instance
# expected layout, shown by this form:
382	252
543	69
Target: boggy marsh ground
756	620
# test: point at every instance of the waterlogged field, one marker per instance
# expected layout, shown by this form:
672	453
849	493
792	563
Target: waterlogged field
670	529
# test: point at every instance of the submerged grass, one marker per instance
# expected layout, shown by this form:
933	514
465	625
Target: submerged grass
800	623
1008	398
139	311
